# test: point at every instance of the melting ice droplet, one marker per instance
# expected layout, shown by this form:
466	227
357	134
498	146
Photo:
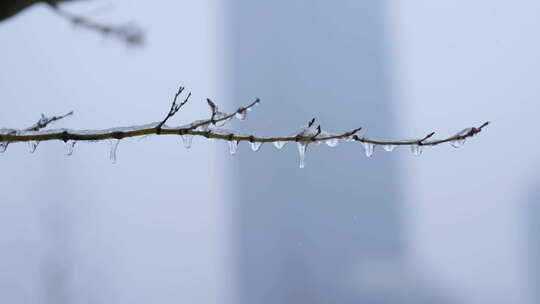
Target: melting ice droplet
113	147
202	128
332	142
3	146
255	146
187	139
460	142
368	148
457	143
70	144
32	145
219	116
302	146
416	150
279	144
389	148
233	146
241	115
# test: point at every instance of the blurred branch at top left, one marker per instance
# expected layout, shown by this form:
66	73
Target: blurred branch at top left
129	33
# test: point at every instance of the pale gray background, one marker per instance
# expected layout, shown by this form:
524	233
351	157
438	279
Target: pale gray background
167	224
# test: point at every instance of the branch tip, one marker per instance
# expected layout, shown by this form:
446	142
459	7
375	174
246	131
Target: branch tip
426	137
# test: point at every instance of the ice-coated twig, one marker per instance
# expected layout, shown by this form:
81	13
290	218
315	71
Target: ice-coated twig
208	128
174	108
205	123
44	121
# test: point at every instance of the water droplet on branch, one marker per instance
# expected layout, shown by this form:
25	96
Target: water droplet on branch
233	146
389	148
255	146
221	123
187	139
460	142
70	144
32	145
349	138
202	128
368	148
302	147
332	142
457	143
113	145
416	149
3	146
279	144
241	115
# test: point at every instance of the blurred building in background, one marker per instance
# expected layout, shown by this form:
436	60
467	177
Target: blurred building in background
332	232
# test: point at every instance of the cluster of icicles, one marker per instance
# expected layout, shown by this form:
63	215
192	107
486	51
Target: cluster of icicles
306	132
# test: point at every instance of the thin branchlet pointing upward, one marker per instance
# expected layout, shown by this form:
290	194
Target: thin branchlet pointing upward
211	128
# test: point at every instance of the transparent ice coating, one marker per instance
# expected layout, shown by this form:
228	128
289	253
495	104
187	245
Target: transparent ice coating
69	145
460	142
32	145
187	140
279	144
389	148
113	147
416	149
241	115
233	146
369	148
302	147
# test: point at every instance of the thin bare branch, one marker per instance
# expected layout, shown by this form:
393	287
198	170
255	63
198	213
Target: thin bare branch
129	33
202	128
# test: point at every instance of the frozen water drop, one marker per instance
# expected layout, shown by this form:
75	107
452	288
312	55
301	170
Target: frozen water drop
233	146
457	143
32	145
416	149
279	144
302	146
255	146
241	115
332	142
349	138
113	145
218	116
202	128
70	144
389	148
461	141
3	146
368	148
187	139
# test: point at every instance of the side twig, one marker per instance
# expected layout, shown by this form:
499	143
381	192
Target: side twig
174	108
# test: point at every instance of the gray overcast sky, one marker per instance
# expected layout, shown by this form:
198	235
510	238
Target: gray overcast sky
148	229
160	211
